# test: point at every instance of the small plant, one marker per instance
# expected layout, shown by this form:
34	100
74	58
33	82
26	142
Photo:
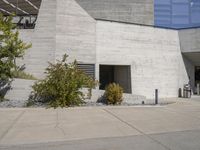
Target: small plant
5	86
61	87
114	94
1	98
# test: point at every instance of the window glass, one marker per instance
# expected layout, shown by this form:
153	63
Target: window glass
180	9
177	13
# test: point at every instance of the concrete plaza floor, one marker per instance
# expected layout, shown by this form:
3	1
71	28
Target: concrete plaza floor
175	126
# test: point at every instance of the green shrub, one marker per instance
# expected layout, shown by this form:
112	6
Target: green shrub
1	98
61	87
114	94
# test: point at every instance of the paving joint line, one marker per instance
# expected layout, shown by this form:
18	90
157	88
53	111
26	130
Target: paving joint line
12	125
57	124
133	127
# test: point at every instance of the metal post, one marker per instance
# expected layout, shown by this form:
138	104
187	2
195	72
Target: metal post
179	92
198	89
156	96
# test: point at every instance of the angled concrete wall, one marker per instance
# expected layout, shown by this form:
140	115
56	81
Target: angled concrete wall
190	40
190	68
43	40
75	32
154	55
190	47
133	11
62	27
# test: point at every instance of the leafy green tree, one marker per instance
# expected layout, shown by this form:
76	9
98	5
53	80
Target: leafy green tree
61	87
11	47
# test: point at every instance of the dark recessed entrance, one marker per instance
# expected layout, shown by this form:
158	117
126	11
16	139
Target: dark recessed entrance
197	75
117	74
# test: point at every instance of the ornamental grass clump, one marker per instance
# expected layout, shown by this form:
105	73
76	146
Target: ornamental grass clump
114	94
61	87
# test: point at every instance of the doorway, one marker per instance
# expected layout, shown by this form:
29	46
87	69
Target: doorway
197	75
115	73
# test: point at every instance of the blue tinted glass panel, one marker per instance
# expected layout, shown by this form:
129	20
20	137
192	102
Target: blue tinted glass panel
180	20
195	12
177	13
163	2
180	9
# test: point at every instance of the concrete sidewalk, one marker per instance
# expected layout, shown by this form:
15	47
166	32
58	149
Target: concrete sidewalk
38	125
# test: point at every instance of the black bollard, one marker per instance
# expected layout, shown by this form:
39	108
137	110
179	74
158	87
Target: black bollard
156	96
179	92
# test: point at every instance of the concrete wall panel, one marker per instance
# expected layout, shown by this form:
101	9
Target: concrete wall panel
42	39
20	90
154	56
132	11
190	40
75	32
190	68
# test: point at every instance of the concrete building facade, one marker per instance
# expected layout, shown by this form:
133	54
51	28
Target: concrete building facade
122	41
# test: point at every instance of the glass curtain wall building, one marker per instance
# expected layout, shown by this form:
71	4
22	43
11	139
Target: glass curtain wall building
177	14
